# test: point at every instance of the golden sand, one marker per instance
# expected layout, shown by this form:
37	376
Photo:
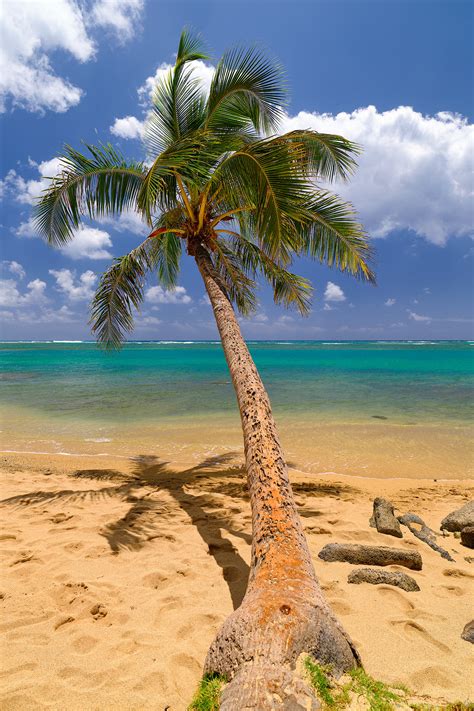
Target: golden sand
117	574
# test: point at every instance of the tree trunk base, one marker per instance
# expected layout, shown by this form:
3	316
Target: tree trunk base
258	647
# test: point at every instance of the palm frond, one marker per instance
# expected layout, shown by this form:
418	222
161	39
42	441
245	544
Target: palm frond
325	156
102	182
247	88
262	176
165	255
240	288
288	289
187	157
120	290
190	48
178	109
178	100
331	233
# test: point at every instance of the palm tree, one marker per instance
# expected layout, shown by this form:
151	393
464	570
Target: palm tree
243	201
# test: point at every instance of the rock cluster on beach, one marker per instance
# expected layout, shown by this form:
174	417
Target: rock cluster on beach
459	522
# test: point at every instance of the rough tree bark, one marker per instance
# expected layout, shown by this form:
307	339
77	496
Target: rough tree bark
284	613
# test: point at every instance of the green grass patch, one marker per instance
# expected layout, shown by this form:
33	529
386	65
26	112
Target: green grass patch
207	697
379	696
336	697
319	677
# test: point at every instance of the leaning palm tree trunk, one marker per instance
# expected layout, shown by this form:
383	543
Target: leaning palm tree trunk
284	613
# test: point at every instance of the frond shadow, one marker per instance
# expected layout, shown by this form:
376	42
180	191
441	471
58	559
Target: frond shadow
198	491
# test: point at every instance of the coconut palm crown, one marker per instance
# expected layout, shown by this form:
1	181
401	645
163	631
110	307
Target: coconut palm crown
218	177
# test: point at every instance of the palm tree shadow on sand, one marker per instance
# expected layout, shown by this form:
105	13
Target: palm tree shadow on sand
198	491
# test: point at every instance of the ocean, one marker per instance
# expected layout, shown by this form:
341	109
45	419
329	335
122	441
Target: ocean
344	406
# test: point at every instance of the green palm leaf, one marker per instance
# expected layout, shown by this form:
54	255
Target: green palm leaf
262	176
288	289
325	156
102	182
247	88
332	235
239	287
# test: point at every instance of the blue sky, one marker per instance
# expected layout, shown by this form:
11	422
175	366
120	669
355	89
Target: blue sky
394	75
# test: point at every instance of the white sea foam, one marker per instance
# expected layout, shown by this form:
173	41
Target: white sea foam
63	454
98	439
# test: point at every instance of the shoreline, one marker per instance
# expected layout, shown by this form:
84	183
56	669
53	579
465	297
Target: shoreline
92	455
374	449
117	572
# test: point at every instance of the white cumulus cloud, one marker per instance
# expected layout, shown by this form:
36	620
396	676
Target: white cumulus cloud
76	289
14	268
158	295
127	221
127	127
120	16
28	191
88	243
333	292
11	297
32	30
390	302
414	172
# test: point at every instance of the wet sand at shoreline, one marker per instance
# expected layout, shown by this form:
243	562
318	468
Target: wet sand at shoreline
117	573
376	449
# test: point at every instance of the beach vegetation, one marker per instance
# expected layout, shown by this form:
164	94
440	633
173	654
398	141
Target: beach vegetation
223	185
357	684
208	694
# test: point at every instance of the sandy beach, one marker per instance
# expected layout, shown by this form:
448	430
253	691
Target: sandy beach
117	573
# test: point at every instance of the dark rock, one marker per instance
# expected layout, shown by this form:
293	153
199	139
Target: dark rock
468	632
419	529
467	536
383	518
370	555
459	519
383	577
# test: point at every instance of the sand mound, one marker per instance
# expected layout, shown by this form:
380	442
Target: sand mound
117	574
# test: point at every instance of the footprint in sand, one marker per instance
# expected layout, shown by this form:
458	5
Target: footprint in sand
425	679
185	661
84	644
341	608
24	557
445	591
157	581
413	630
457	573
83	682
63	621
28	666
395	597
98	611
151	682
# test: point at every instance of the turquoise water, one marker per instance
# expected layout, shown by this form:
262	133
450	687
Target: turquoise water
405	382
